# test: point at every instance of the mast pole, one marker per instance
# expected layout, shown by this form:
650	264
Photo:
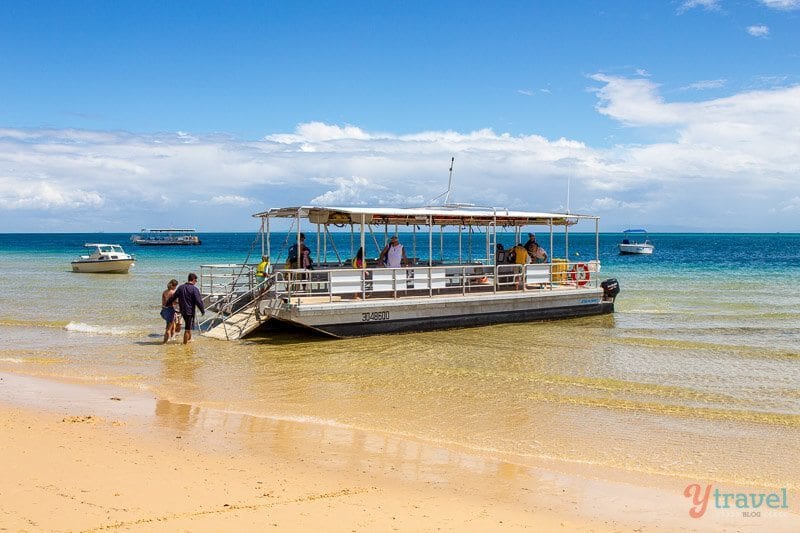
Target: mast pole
449	182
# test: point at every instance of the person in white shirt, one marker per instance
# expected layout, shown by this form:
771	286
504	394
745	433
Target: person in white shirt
394	254
537	253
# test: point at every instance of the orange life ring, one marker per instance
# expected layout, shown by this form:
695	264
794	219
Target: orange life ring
580	274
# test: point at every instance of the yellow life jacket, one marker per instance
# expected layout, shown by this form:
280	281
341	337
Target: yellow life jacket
261	269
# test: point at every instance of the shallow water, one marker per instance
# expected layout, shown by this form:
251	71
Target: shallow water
695	375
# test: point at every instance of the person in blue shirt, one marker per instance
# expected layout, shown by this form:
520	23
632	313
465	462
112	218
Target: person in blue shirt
189	297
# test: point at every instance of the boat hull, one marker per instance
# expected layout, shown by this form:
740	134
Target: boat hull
636	249
111	266
364	318
146	242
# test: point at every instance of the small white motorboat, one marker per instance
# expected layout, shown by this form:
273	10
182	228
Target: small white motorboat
105	258
635	241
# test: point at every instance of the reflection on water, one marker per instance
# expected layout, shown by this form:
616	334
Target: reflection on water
346	449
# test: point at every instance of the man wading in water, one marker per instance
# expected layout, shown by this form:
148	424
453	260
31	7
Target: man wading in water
188	297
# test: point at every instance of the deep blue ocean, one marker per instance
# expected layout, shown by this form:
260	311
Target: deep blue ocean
706	252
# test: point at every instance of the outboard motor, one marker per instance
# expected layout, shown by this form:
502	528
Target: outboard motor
610	289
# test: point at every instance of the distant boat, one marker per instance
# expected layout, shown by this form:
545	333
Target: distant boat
635	241
105	259
166	237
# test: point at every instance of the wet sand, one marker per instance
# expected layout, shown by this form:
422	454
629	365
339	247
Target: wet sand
92	458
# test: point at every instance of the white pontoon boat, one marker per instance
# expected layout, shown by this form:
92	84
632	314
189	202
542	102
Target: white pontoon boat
475	287
105	259
166	237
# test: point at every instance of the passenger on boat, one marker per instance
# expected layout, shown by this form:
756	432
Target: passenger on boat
518	255
292	259
500	254
305	260
537	253
394	254
263	268
358	260
531	240
521	257
262	271
359	263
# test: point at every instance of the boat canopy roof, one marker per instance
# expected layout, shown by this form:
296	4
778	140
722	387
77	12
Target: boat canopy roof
96	244
438	216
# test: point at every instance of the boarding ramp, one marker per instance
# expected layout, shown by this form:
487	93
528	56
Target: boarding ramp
237	302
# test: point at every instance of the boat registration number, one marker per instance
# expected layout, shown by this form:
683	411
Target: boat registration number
374	317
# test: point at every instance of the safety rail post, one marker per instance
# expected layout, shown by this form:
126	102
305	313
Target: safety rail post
523	277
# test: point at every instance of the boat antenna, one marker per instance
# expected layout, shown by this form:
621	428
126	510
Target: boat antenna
449	181
568	178
446	193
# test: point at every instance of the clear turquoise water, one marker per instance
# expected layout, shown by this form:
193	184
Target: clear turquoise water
696	375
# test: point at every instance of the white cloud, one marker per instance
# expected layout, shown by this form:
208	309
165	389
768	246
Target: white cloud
44	195
706	85
318	132
783	5
758	30
709	154
362	191
606	203
525	92
634	101
231	199
792	204
708	5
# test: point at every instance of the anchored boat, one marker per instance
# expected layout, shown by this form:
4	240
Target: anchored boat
473	285
166	237
105	259
635	241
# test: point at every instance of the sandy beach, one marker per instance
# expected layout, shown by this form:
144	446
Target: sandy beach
80	458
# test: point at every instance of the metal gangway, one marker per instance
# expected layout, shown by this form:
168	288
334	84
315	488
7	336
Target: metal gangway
233	296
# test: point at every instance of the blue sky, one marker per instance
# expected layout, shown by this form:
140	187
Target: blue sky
676	115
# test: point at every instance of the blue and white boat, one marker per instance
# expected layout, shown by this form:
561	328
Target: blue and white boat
634	242
166	237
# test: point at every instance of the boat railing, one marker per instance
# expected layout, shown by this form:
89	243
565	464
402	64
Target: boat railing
244	290
420	281
225	279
